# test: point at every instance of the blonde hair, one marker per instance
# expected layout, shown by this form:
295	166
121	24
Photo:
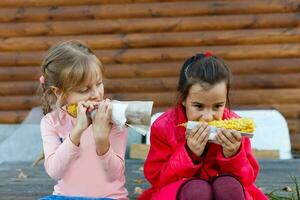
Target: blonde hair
66	66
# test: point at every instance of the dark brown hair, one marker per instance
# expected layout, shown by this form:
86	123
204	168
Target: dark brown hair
206	70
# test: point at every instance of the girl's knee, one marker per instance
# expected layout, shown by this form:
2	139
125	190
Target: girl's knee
195	189
228	187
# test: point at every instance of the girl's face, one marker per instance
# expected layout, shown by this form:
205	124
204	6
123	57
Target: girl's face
90	90
206	105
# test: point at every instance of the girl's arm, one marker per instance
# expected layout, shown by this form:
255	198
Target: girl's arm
243	165
58	155
164	164
113	160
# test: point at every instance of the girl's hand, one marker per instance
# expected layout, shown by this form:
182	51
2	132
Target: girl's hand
230	140
102	126
82	121
197	138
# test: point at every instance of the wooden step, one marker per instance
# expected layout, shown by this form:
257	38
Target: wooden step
166	24
144	10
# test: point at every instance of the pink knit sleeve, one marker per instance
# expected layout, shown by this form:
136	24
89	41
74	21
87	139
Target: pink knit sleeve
58	154
113	160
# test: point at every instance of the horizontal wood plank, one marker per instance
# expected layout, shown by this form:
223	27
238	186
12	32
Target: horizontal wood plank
54	3
173	39
161	99
144	55
8	103
294	125
295	141
167	24
13	117
165	69
157	9
165	84
291	111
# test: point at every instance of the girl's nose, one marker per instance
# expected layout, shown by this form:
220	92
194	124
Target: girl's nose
207	117
95	93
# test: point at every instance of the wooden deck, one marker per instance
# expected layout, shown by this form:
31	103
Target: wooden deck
20	181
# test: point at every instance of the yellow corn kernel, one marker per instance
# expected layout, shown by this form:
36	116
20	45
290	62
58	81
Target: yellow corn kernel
72	110
240	124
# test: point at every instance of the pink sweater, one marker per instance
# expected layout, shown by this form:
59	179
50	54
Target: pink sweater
78	170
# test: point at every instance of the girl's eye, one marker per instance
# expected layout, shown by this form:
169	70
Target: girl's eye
99	84
199	106
218	106
84	90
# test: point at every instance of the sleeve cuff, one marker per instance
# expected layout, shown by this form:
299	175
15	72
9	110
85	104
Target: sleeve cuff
233	163
72	146
183	155
107	154
196	159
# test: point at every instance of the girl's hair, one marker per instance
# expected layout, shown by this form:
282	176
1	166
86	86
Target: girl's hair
66	66
206	70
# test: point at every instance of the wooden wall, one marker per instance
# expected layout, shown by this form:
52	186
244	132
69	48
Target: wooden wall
143	43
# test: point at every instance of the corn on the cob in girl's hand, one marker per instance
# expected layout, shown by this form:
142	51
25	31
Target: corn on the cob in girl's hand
239	124
135	114
244	125
72	110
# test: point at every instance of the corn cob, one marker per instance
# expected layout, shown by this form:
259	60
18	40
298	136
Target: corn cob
72	110
240	124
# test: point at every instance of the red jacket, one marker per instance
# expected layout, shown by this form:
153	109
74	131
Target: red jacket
168	160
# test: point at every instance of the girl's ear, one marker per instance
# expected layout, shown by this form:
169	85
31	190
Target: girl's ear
56	91
183	103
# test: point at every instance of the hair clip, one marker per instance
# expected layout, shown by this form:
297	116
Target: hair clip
207	54
42	80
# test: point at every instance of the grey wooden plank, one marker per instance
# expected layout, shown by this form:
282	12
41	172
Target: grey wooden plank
274	174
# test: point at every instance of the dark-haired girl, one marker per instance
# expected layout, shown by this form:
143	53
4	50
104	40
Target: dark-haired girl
181	166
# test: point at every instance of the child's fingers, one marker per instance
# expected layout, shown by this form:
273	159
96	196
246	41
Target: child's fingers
228	134
81	106
194	131
109	110
100	107
237	135
223	139
204	135
199	136
106	105
92	105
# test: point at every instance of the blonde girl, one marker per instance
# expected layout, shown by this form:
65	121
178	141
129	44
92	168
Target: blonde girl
84	155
